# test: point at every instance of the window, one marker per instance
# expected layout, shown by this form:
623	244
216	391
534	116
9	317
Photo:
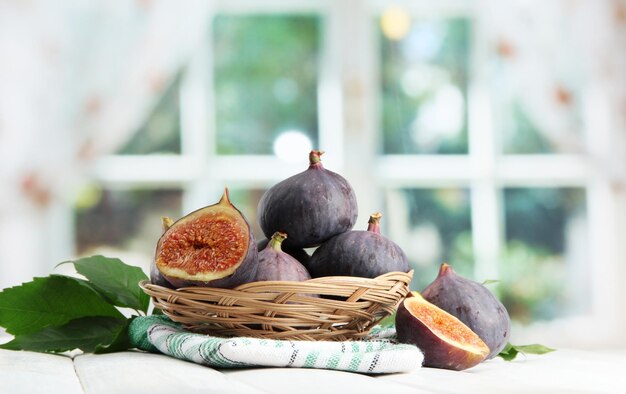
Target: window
413	107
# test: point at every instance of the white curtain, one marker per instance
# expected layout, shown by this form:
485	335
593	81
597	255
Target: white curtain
77	78
561	59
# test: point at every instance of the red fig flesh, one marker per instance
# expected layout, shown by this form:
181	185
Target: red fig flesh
213	246
445	341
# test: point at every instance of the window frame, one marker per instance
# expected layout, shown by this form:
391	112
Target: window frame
348	102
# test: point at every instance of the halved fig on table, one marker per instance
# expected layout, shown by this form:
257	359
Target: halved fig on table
445	341
473	304
212	247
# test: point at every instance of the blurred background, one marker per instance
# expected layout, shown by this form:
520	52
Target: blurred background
491	135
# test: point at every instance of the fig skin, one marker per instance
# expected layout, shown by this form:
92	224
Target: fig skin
439	352
155	276
474	305
274	264
366	254
297	253
311	206
242	271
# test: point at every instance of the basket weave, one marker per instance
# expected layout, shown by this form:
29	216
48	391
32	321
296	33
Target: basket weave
328	308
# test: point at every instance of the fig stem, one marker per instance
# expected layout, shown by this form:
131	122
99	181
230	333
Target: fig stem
373	224
445	269
315	157
277	240
166	223
225	200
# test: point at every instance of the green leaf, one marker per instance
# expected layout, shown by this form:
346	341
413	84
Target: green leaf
508	353
120	342
85	333
117	281
388	321
534	349
511	351
51	301
490	281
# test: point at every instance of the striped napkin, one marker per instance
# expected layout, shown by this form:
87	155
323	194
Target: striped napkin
377	353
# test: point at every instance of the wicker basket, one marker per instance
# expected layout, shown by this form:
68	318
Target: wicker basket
329	308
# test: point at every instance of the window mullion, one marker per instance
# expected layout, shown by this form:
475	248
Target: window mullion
197	106
486	198
355	32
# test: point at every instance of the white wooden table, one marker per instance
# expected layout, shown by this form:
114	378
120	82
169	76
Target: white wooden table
564	371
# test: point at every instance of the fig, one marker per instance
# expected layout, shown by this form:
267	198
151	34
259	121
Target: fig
211	247
297	253
155	276
473	304
274	264
443	339
311	206
366	254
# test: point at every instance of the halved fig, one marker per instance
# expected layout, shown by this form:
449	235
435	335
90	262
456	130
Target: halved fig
473	304
445	341
212	247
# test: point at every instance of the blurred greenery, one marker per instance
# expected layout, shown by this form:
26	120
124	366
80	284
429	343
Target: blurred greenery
433	55
247	200
123	219
536	276
447	213
266	71
523	136
161	131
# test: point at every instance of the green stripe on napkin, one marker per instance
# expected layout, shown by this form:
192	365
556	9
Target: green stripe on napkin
377	353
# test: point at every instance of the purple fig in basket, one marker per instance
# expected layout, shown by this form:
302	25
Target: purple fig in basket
366	254
311	206
212	247
297	253
473	304
274	264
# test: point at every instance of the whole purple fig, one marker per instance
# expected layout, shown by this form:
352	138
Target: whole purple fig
311	206
366	254
473	304
274	264
297	253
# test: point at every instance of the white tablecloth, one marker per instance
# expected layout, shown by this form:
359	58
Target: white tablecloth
564	371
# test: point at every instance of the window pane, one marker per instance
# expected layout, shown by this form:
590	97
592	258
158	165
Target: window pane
544	271
424	85
247	201
161	131
432	226
266	70
113	221
524	132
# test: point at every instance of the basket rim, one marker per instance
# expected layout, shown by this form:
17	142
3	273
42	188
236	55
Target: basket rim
285	309
323	280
